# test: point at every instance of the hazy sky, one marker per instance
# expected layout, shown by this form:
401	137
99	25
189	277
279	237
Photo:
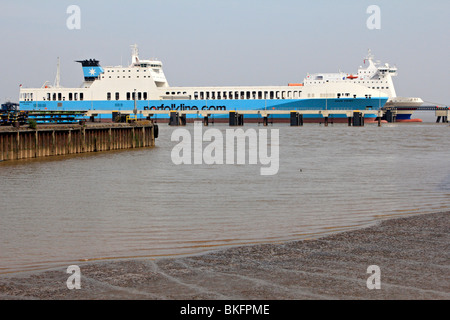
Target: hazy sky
228	42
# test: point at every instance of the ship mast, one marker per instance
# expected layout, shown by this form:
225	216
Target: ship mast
134	54
57	83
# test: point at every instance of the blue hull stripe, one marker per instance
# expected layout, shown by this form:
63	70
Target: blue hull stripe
180	105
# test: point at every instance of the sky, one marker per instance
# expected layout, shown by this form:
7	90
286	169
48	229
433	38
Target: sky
228	42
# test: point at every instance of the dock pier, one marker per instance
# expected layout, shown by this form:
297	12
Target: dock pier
442	113
236	117
16	144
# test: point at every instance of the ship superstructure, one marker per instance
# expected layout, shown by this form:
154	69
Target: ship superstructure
373	75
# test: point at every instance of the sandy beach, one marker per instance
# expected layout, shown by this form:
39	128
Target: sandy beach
413	255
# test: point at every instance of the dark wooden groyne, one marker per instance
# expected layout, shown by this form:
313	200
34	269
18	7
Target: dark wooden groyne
47	141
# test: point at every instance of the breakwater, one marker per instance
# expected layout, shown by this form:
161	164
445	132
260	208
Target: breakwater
47	141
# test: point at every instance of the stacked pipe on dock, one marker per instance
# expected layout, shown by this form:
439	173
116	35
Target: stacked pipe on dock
25	144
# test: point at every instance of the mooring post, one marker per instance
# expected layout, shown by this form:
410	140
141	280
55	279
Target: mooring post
182	119
174	119
296	119
390	116
240	119
232	118
357	119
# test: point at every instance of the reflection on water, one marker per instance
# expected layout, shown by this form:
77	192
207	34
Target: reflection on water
60	211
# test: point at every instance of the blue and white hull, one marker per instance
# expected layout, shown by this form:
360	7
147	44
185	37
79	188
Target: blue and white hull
213	105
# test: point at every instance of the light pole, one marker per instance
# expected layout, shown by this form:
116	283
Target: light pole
135	106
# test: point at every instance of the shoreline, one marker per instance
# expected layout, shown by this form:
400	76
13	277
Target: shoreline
413	254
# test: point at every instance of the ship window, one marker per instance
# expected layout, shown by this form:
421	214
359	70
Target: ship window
70	96
128	96
75	96
140	96
236	95
202	95
145	95
271	94
117	96
196	95
108	96
48	96
59	96
338	95
81	96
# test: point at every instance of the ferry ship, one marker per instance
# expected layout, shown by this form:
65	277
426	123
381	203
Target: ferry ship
144	86
376	76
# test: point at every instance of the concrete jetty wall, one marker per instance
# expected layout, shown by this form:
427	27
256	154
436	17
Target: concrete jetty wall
44	142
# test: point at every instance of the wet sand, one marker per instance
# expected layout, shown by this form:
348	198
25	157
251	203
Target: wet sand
413	254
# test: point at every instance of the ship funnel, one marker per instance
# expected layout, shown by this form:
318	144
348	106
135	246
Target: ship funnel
91	69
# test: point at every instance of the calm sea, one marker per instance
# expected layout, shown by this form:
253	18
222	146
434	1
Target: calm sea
65	210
